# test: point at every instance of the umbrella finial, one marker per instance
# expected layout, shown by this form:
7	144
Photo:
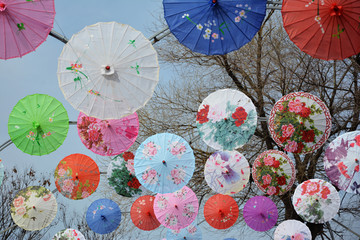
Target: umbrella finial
2	7
336	10
176	206
35	124
107	67
103	217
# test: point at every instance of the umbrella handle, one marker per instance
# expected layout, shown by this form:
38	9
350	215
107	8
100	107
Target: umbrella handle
103	218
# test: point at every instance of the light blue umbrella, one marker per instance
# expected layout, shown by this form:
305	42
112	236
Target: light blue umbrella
164	163
191	232
103	216
1	172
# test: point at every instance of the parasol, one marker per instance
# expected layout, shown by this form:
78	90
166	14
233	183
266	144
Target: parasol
69	234
108	70
191	232
292	230
142	213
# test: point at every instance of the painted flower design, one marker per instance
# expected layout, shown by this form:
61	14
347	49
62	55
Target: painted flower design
20	211
68	185
216	113
177	149
150	149
19	201
130	166
162	202
150	176
188	211
177	175
240	116
199	26
171	219
202	115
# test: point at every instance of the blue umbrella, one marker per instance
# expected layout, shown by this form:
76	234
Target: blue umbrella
214	27
191	232
164	163
103	216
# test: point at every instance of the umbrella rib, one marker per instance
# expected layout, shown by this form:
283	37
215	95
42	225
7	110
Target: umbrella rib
188	9
35	20
119	43
139	57
12	33
120	56
346	32
33	10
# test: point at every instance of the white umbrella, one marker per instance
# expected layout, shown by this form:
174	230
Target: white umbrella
108	70
292	229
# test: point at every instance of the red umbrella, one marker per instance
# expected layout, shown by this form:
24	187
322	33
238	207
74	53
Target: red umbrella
142	213
221	211
325	29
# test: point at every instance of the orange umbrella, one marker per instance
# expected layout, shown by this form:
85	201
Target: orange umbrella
221	211
142	213
77	176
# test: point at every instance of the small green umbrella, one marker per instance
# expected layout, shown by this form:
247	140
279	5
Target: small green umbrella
38	124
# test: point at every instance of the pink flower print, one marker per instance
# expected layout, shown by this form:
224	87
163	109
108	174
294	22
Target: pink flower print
162	203
68	185
271	190
266	179
130	166
171	219
102	207
280	107
177	175
188	211
177	149
287	130
61	172
85	194
295	106
150	149
242	13
215	36
215	113
28	193
150	176
192	229
19	201
93	133
297	236
131	132
21	211
269	160
47	197
120	130
291	146
31	133
297	202
237	19
357	139
181	194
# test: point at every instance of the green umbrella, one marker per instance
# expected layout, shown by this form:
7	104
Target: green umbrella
38	124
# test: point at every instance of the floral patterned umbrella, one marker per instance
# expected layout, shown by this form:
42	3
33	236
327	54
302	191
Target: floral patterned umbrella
300	122
260	213
273	172
164	163
292	230
176	210
227	172
108	70
226	119
77	176
221	211
24	26
142	213
33	208
108	137
316	201
191	232
121	175
69	234
38	124
1	171
342	160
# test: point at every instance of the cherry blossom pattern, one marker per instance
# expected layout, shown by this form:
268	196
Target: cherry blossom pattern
69	234
190	232
292	230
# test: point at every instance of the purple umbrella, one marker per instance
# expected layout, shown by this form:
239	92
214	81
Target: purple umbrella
260	213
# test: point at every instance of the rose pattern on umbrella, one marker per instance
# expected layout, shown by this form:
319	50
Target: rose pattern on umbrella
177	149
292	125
150	149
162	202
150	176
189	211
273	172
68	234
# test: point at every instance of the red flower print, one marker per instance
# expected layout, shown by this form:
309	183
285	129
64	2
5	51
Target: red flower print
135	183
276	164
357	139
310	188
264	186
128	155
295	106
283	139
308	136
281	180
240	115
305	112
299	148
201	116
297	202
325	192
342	169
131	132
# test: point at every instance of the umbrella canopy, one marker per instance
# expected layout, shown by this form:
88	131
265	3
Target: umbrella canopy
191	232
108	137
226	119
292	230
325	29
342	160
300	122
164	163
38	124
121	175
221	211
2	172
77	176
103	216
316	201
176	210
33	208
69	234
108	70
214	27
273	172
260	213
142	213
227	172
24	25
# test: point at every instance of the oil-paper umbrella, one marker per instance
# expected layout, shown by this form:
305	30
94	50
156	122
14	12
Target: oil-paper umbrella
108	137
176	210
69	234
214	27
103	216
342	160
121	175
38	124
221	211
273	172
164	163
2	172
24	25
226	119
77	176
191	232
227	172
33	208
300	122
292	230
142	213
108	70
316	201
326	29
260	213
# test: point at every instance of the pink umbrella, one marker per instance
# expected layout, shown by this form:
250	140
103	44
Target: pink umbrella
24	25
176	210
108	137
260	213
